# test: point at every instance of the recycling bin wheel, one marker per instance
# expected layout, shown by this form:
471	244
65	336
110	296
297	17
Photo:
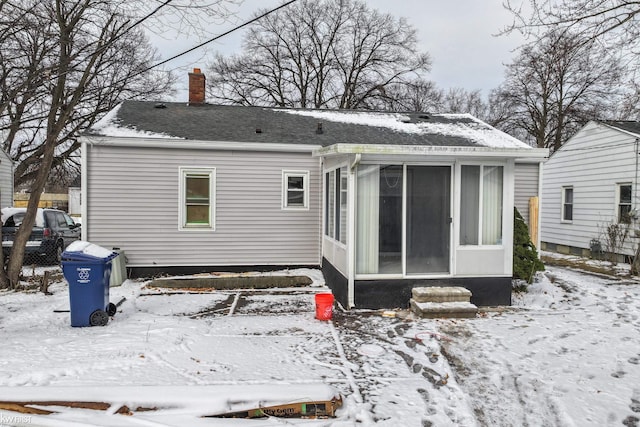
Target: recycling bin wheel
99	318
112	309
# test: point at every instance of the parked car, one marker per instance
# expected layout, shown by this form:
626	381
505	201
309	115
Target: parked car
52	232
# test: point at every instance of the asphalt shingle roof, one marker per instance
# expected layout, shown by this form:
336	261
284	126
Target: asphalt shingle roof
288	126
629	126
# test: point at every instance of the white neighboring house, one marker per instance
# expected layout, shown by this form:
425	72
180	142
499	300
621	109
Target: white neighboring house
589	183
6	180
75	191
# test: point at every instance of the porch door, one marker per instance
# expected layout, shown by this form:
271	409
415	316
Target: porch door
428	219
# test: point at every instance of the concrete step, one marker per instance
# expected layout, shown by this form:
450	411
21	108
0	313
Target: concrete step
453	309
441	294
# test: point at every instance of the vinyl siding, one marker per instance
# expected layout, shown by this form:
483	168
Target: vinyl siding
133	203
6	181
526	186
593	162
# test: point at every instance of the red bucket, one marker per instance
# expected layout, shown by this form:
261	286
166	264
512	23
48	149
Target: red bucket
324	306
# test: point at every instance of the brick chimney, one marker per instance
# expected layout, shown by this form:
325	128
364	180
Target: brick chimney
196	87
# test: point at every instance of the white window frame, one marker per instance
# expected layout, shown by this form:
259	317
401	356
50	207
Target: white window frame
285	189
334	227
183	173
343	204
480	217
563	195
618	201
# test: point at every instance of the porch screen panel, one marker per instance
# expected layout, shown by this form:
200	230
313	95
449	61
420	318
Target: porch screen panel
330	179
469	205
390	219
343	205
367	218
492	205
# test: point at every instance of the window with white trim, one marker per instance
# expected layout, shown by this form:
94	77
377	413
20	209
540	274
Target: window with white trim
481	205
295	190
567	204
336	204
624	203
197	198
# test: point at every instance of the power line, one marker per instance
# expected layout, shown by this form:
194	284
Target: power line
212	39
144	18
128	29
117	37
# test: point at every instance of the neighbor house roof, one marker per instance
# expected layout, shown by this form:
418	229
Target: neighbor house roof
625	125
316	128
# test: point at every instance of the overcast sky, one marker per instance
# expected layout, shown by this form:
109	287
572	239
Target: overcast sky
459	35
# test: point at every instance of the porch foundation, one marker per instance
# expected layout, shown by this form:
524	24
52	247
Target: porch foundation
396	293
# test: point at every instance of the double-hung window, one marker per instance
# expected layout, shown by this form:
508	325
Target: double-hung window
295	190
567	204
197	198
481	205
624	203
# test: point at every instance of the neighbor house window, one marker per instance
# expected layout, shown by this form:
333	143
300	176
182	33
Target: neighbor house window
481	205
567	203
295	189
624	203
197	201
336	204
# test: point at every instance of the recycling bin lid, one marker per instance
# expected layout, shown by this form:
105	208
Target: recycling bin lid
81	250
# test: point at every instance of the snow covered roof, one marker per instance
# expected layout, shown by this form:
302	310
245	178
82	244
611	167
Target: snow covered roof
314	128
110	124
448	125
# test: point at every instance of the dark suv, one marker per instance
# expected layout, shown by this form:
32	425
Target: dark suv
52	232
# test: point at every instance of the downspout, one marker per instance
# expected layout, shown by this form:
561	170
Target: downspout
634	209
635	180
540	194
13	170
351	237
358	157
83	189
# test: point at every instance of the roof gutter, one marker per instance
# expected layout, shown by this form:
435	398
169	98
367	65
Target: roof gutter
400	150
181	144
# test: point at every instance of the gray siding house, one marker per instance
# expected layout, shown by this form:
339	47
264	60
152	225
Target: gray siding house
6	180
382	202
589	183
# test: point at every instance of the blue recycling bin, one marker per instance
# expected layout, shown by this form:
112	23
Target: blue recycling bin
87	268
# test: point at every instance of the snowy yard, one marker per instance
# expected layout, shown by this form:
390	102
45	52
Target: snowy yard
566	354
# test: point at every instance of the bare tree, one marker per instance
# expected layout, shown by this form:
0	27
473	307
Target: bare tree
460	100
416	95
320	54
554	86
62	64
425	96
614	22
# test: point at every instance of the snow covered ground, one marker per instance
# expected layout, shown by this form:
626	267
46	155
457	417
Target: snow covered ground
566	354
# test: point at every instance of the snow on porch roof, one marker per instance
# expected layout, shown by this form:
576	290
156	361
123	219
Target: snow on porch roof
447	125
177	123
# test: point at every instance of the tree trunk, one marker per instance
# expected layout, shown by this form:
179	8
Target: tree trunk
14	267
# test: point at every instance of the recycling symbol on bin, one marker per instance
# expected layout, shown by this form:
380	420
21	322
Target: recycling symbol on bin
83	274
